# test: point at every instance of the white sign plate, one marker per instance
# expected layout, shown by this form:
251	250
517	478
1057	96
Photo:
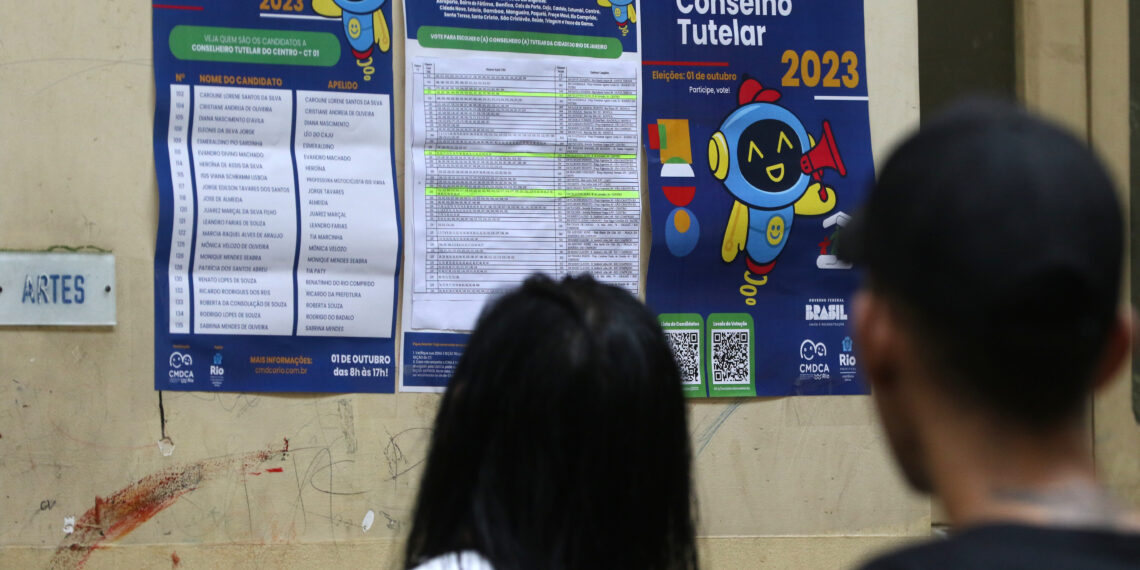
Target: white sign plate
59	289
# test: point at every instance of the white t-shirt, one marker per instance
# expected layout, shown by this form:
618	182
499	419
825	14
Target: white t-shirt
466	560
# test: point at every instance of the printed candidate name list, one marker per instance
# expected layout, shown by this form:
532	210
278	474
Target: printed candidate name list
248	178
520	166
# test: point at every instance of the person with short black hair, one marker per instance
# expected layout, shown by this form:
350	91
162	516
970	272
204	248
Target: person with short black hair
561	441
992	246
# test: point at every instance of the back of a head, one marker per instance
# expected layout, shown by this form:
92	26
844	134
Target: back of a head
1000	236
561	441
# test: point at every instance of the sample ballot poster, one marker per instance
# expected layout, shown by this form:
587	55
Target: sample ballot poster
278	242
759	148
522	126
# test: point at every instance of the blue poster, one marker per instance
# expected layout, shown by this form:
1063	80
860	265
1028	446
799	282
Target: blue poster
759	148
279	239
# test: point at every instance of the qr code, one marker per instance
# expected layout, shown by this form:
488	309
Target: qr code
731	356
686	347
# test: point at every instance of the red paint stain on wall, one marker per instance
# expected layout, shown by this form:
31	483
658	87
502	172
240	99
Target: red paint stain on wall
275	470
116	515
175	559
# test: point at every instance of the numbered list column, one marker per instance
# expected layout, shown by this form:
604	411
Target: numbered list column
178	148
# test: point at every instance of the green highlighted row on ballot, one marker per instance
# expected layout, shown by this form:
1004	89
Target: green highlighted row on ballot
245	45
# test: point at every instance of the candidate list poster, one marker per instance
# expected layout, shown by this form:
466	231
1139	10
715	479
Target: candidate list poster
522	124
759	148
278	242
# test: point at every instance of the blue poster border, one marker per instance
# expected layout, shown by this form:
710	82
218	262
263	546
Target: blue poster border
263	363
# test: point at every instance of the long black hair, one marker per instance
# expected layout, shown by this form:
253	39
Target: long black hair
561	442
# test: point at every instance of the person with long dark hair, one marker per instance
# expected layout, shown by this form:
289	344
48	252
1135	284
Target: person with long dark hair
561	442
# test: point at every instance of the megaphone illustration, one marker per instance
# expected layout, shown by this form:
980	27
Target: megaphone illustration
823	156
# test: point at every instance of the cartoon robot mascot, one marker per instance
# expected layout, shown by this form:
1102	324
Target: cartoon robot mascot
759	155
364	23
623	12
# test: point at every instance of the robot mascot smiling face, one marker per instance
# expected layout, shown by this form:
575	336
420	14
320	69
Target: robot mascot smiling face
364	24
760	155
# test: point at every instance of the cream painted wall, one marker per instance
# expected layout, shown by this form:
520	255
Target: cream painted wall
1087	43
1117	435
782	483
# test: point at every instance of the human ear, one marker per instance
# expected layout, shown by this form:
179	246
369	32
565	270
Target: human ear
874	339
1117	346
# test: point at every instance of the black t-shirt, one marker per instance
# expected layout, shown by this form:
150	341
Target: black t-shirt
1019	547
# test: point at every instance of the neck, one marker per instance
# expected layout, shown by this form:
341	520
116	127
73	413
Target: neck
988	472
